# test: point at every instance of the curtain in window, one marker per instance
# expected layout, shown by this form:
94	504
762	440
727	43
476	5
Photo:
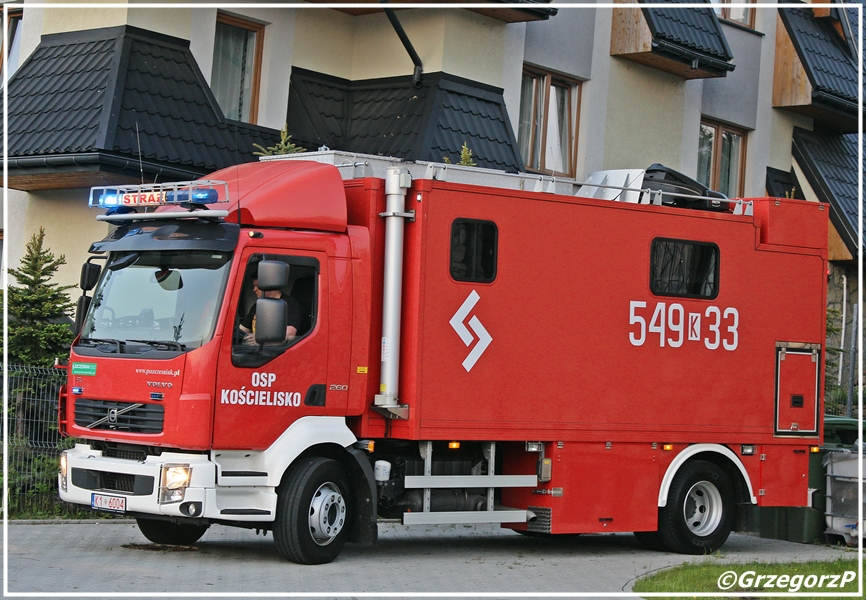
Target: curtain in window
232	74
729	171
705	155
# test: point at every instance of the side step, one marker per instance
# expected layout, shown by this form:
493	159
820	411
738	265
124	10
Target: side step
500	514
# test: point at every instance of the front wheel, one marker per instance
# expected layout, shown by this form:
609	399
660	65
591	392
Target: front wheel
166	532
698	517
313	508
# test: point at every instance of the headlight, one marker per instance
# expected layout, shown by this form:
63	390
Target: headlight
174	479
63	485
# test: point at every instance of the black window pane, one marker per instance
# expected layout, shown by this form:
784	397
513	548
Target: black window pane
681	268
473	250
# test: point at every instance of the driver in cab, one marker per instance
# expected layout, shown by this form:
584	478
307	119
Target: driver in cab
293	316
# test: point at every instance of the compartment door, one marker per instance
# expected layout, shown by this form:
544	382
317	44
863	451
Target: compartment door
797	380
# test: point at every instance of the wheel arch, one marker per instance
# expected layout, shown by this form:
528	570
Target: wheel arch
364	529
720	455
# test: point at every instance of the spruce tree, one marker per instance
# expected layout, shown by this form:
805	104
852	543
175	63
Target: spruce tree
35	306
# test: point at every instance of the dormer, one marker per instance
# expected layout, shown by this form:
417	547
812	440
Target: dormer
816	66
686	42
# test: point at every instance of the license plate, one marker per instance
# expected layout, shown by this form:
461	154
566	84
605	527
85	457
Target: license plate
111	503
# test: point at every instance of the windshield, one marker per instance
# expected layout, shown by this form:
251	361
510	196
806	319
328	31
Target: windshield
168	300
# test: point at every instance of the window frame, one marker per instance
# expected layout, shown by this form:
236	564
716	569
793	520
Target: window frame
549	80
724	12
716	166
12	13
259	51
477	223
716	269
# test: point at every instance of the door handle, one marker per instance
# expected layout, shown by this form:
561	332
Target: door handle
315	395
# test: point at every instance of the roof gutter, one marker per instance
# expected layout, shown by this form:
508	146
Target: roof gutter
696	58
835	101
102	158
542	12
407	44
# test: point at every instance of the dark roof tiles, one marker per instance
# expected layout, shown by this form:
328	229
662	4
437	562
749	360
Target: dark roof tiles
697	29
830	163
62	100
391	117
825	56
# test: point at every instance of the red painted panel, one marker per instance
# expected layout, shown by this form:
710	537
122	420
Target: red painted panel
784	476
797	397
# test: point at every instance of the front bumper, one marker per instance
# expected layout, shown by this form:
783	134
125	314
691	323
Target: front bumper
88	472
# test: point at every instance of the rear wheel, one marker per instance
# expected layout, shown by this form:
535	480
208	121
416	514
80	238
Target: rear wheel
166	532
313	508
698	517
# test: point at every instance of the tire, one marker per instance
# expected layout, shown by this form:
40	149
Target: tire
314	505
699	514
650	540
166	532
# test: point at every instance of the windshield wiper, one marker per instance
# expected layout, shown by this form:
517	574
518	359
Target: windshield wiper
97	341
164	344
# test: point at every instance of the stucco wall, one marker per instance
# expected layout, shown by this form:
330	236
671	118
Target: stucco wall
70	227
645	123
367	47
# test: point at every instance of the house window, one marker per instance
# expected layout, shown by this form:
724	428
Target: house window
740	14
13	35
721	157
473	250
684	269
237	66
547	131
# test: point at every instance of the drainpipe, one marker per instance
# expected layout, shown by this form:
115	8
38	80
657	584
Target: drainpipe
397	182
401	33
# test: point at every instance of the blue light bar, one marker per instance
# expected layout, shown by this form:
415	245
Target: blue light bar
196	196
187	192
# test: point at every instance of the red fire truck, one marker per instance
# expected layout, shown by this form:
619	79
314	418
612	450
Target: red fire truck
308	344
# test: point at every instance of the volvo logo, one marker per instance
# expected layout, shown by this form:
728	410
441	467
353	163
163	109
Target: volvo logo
159	384
484	338
112	415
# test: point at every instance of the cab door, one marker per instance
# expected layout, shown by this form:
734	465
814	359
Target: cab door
260	392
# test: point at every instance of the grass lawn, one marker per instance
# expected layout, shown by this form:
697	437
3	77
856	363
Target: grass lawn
750	578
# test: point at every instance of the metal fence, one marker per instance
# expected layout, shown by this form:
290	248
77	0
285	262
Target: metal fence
34	444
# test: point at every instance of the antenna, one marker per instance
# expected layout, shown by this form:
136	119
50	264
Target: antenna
140	166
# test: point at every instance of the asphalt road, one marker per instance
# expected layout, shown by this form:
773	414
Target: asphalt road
103	558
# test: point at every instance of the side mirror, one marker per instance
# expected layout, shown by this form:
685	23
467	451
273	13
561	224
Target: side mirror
272	275
89	276
81	312
271	320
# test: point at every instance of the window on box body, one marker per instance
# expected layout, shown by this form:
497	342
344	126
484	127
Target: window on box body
547	130
684	268
237	65
473	250
721	158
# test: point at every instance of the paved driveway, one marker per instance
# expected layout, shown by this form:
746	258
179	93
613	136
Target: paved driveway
111	557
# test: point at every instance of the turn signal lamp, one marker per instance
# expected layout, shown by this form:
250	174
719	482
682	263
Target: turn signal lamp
747	449
453	445
814	449
667	447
